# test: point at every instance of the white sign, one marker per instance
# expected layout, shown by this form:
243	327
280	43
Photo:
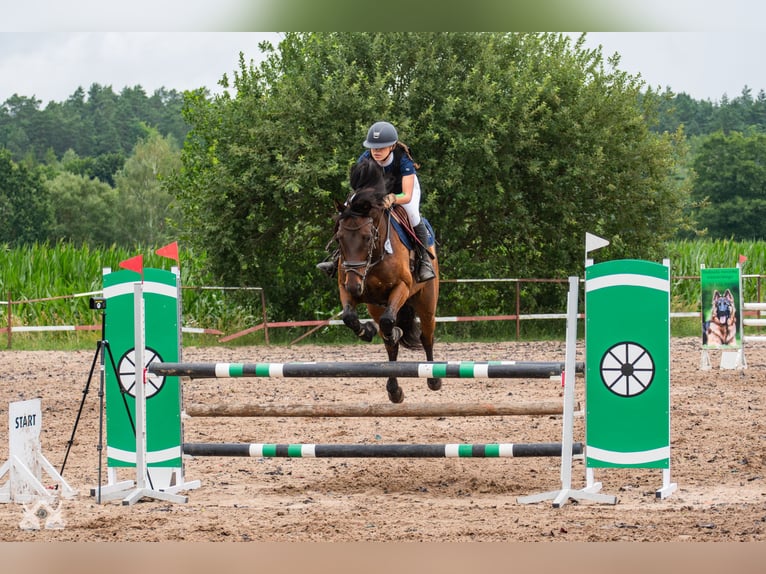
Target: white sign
26	463
24	420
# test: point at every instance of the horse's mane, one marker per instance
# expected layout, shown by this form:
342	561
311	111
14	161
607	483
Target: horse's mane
369	185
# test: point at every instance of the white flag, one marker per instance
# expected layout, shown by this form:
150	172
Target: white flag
593	242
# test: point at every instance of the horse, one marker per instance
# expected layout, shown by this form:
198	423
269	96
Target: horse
375	269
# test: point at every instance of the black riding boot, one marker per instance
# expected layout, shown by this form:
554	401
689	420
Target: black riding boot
425	270
330	267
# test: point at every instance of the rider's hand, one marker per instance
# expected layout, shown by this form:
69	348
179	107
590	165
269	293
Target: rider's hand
389	200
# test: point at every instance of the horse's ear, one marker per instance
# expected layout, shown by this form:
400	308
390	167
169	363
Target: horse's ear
338	206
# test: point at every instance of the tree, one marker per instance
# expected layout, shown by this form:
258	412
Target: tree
25	207
86	211
145	207
17	119
526	141
102	167
731	185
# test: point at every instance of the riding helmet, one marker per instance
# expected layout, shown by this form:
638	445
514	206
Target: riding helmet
381	134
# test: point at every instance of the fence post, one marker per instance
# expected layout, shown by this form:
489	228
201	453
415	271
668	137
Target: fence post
10	318
265	319
518	309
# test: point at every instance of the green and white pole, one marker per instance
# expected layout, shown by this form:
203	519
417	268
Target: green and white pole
627	373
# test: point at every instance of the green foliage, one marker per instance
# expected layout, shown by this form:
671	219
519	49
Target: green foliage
145	209
102	123
731	185
89	170
25	209
526	137
526	141
84	209
702	117
102	167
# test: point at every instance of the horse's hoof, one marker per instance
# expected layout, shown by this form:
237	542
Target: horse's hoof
434	384
397	396
368	331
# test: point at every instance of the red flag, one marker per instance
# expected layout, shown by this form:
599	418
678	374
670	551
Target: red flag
742	259
170	251
134	264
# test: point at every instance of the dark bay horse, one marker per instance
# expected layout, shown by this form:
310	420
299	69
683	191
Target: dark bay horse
375	269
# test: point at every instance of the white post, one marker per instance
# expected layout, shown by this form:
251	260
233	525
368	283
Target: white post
138	330
142	490
561	496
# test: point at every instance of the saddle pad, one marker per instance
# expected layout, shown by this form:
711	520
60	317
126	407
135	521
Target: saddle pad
406	238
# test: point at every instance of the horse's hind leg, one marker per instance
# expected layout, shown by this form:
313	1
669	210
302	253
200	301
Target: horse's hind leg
395	392
427	339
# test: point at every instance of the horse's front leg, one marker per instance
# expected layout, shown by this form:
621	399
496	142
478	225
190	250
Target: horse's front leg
387	321
395	392
365	331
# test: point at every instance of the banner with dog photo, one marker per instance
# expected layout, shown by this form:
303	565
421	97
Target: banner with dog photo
721	301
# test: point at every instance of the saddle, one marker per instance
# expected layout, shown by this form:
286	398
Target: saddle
401	224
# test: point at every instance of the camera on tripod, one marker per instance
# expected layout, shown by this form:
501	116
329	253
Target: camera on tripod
98	303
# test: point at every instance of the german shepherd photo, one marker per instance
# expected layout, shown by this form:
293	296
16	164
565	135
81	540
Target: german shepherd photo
721	329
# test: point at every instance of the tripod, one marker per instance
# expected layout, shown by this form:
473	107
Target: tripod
102	348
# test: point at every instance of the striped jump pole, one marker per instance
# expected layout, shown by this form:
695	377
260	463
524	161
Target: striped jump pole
374	410
495	450
426	369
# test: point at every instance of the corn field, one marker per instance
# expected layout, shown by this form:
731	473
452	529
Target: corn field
686	258
56	272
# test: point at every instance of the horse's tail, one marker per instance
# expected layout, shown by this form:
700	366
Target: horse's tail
410	326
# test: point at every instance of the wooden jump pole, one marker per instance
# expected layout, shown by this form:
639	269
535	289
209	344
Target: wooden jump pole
374	410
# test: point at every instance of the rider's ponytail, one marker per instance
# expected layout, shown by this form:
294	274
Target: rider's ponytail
402	146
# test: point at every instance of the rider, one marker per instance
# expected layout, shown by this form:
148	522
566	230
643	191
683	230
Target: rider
394	157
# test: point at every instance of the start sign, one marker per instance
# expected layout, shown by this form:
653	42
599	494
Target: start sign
26	464
24	433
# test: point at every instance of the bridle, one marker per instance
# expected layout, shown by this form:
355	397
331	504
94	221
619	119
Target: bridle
362	268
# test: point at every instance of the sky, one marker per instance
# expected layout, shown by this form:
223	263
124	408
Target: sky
52	65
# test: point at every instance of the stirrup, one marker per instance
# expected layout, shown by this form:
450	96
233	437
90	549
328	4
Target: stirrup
328	267
425	272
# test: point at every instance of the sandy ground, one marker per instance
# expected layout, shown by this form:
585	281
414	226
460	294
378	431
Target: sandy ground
718	458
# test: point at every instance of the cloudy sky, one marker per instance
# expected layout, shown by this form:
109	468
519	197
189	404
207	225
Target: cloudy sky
52	65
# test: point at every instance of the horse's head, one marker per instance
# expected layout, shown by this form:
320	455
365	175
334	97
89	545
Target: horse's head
367	174
357	223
